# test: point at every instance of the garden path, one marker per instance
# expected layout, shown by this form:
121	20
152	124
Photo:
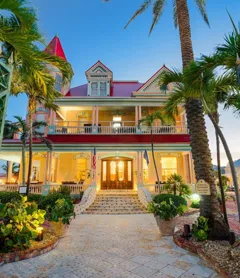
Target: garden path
127	246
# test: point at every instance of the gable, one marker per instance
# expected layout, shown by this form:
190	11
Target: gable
151	86
99	70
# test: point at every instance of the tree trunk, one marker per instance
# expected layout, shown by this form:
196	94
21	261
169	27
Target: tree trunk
230	160
216	116
30	117
209	206
23	165
154	161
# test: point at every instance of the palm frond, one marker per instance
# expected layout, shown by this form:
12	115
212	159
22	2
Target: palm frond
202	8
157	12
142	8
233	24
174	101
175	18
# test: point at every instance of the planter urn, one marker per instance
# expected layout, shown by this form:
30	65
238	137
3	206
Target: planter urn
166	227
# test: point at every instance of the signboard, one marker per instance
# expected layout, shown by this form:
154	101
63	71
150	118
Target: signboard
22	189
203	188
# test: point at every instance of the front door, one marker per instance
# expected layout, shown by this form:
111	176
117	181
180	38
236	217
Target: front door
117	173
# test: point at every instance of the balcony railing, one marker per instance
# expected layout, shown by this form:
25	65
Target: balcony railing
73	127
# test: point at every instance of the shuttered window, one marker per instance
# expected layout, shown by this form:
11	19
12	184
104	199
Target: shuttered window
99	88
94	88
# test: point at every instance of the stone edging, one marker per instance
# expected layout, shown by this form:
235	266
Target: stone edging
197	249
25	254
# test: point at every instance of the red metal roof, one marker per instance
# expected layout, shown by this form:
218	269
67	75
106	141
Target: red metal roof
55	48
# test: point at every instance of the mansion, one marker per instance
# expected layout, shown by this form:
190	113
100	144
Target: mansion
96	137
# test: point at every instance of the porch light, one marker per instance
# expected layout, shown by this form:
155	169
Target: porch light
40	234
117	119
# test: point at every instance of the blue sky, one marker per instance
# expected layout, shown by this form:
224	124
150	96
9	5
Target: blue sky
93	30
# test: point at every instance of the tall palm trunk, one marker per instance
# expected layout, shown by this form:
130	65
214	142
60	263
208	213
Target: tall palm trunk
230	160
216	116
30	118
209	206
154	161
23	164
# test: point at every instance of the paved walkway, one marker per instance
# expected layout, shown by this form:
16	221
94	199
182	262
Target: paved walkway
127	246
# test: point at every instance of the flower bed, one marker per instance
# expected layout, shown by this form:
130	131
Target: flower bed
49	242
218	254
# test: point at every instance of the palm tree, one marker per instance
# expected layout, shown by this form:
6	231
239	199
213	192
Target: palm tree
15	169
22	128
194	108
149	121
191	85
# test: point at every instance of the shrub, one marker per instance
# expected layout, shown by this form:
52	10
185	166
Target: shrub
37	198
175	184
19	223
63	210
200	228
195	204
8	197
177	200
166	209
65	190
51	198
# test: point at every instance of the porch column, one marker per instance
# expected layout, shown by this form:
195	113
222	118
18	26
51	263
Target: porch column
46	168
93	115
97	109
93	169
139	169
136	115
50	167
140	112
9	170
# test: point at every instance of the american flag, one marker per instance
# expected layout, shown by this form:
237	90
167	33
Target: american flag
94	159
145	156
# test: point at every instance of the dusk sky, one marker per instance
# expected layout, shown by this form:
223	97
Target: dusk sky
93	30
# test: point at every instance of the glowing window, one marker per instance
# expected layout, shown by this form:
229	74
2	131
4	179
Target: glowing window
120	170
117	119
113	168
169	167
145	171
81	169
104	170
129	171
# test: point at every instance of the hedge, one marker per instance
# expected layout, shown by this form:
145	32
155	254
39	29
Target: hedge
8	197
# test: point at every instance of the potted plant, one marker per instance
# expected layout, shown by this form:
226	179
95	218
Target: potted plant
165	214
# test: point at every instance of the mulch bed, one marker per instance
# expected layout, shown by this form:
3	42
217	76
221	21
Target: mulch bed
218	254
49	242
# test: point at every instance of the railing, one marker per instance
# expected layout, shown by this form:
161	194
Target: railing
127	127
37	189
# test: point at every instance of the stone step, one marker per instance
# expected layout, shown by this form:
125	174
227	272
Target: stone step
117	208
115	212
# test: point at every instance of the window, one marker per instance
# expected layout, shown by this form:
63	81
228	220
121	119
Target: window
104	170
113	172
81	169
169	167
98	88
145	171
35	170
120	170
41	118
129	171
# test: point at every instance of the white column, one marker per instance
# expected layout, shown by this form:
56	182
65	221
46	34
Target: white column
46	168
140	113
136	115
97	114
50	168
141	167
9	171
93	115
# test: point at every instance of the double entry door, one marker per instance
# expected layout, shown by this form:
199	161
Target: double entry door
117	173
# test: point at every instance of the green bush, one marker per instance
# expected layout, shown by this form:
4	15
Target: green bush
8	197
166	210
63	210
200	228
37	198
51	198
195	204
177	200
175	184
19	223
65	190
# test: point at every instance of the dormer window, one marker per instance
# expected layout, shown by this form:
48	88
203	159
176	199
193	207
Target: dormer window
99	79
99	88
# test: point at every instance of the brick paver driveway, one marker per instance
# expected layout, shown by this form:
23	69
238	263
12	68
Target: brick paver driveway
112	246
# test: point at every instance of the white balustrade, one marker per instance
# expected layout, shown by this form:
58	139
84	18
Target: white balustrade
127	127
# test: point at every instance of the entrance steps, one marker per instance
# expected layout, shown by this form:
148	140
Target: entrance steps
116	202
